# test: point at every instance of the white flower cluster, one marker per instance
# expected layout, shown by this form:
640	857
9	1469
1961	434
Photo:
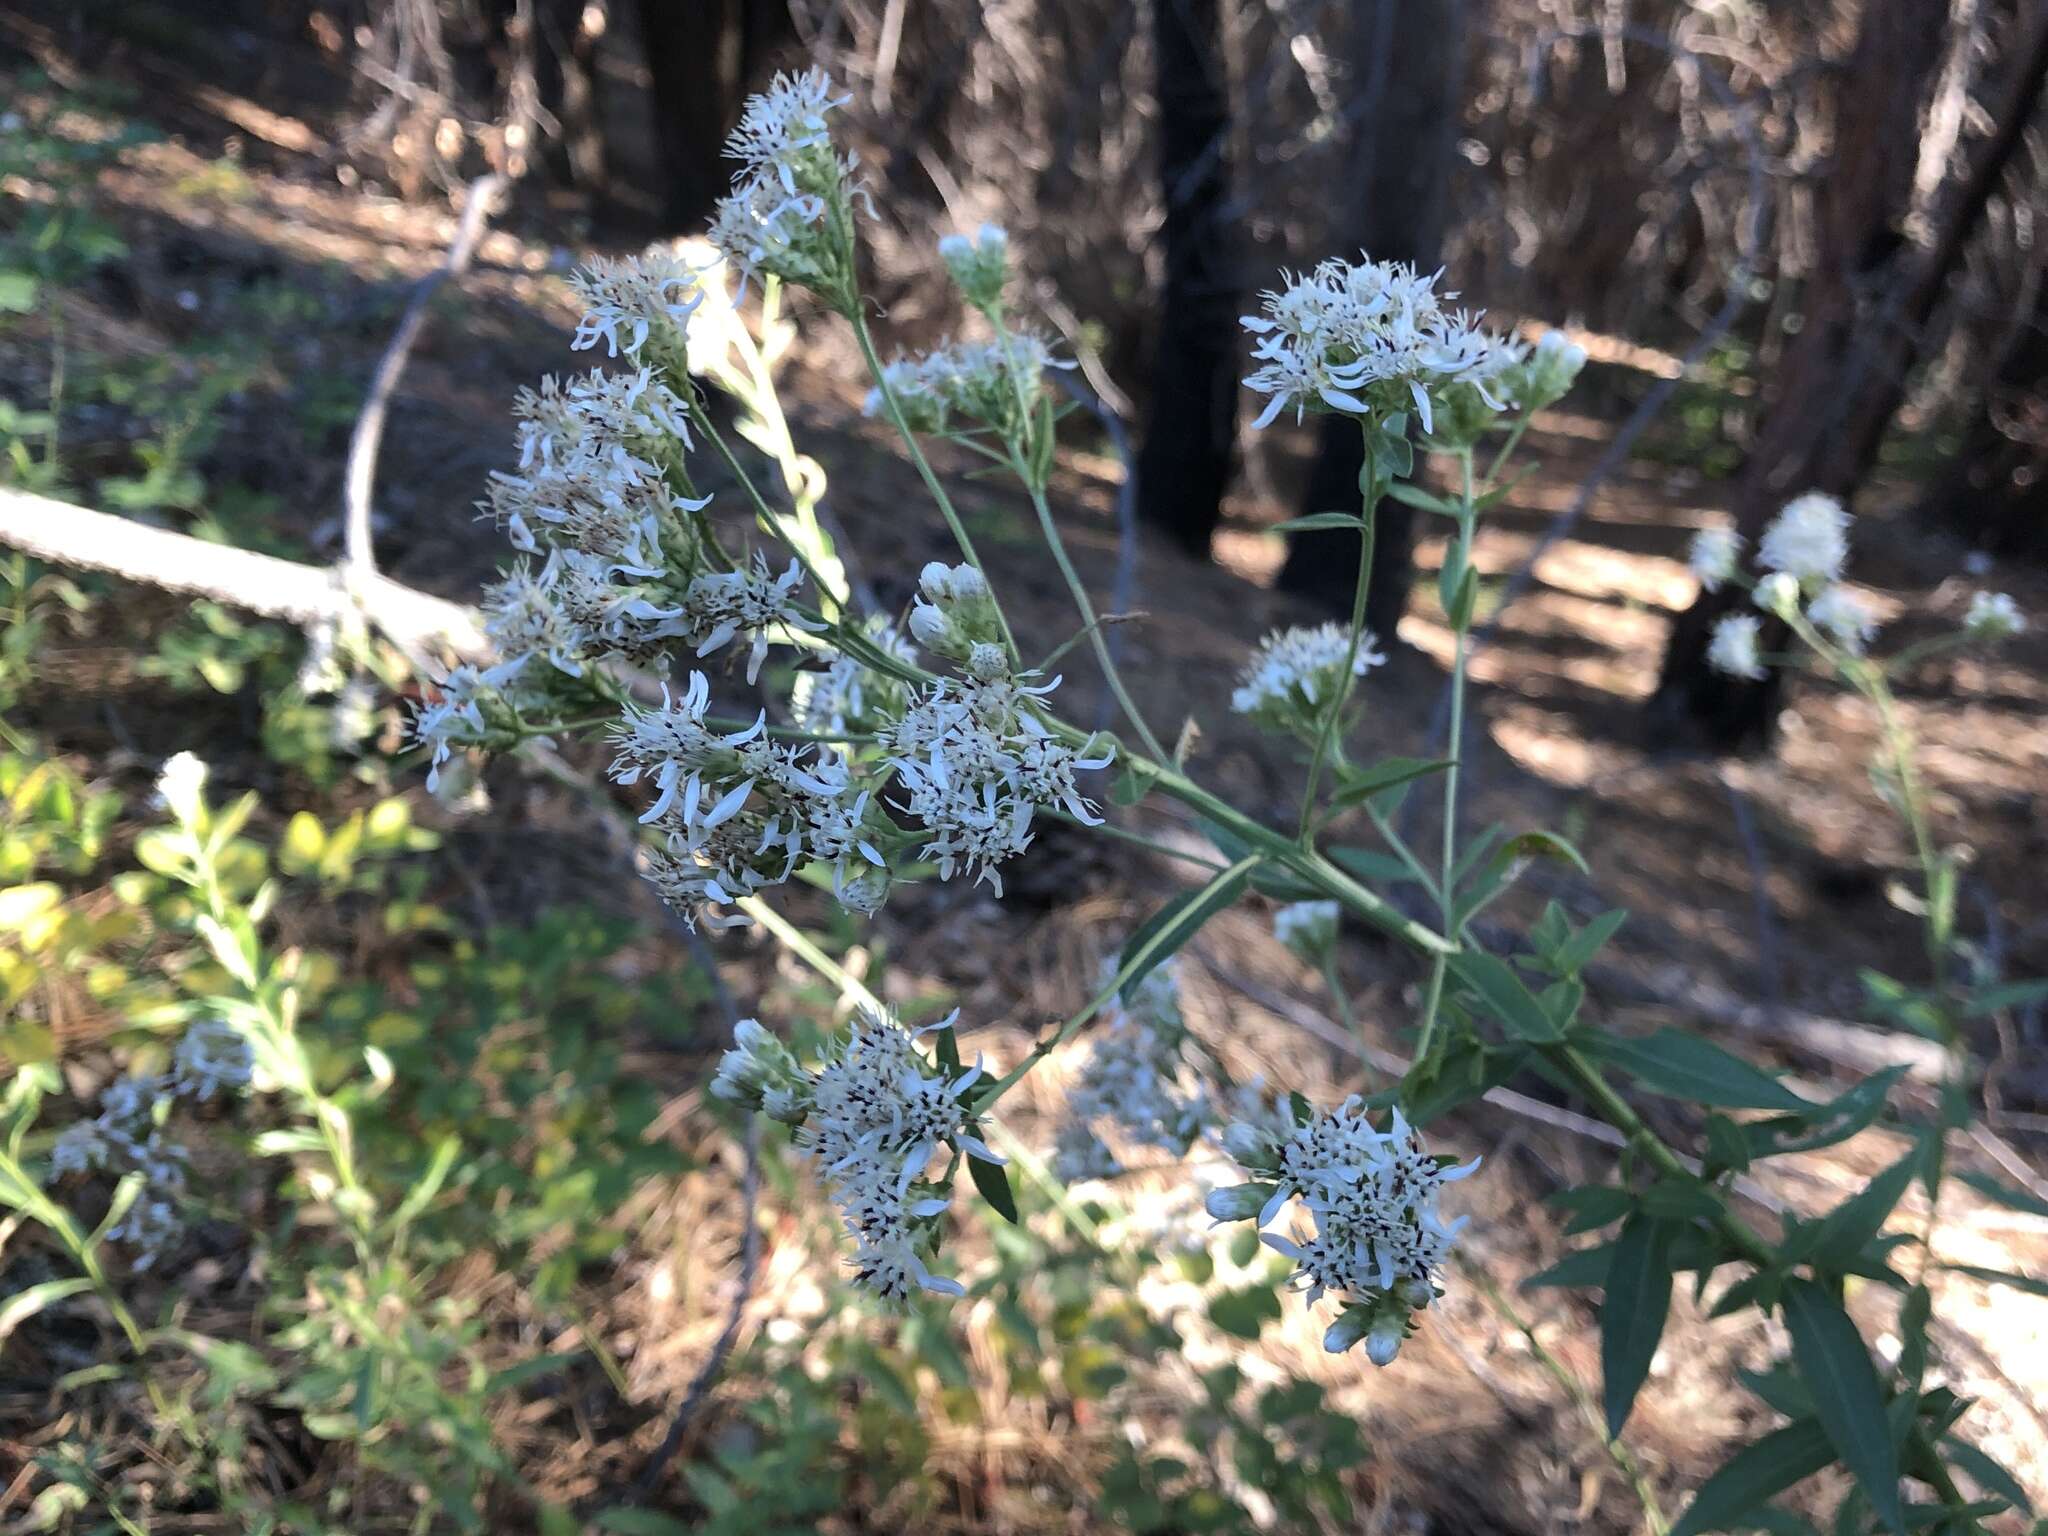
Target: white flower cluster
1714	555
871	1115
1378	1240
1993	616
975	765
1734	648
993	384
739	812
626	300
1367	338
1296	673
788	211
130	1134
848	696
1135	1080
1802	553
980	264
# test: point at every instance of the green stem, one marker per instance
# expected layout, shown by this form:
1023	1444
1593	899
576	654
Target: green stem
1096	639
1340	999
763	513
894	408
1369	495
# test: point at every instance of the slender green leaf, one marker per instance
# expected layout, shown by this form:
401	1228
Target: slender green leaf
1166	930
1415	496
1572	956
994	1183
2002	1194
523	1371
1847	1396
2027	1283
2012	994
1371	866
1987	1473
1632	1315
1825	1125
25	1304
1315	522
1679	1065
1505	997
1363	783
1754	1474
1837	1239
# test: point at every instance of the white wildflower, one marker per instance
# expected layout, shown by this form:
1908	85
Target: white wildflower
1297	672
1993	616
1808	540
980	264
181	785
722	606
1733	648
1777	593
211	1058
1378	1239
785	130
1845	616
1714	555
626	300
850	697
1546	375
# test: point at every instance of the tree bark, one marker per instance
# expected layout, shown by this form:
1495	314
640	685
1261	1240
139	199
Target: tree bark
1407	58
705	56
1868	308
1184	461
1995	492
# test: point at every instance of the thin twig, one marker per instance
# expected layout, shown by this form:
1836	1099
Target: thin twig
359	560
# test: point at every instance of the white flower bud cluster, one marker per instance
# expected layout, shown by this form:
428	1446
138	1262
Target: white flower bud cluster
954	612
1368	338
790	205
1802	553
871	1115
1734	647
1297	672
975	765
1378	1240
1808	540
130	1134
1544	375
1308	928
993	384
738	812
630	299
1993	616
980	265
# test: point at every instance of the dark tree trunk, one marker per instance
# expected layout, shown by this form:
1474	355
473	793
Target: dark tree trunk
1184	461
1868	307
704	56
1407	58
1995	493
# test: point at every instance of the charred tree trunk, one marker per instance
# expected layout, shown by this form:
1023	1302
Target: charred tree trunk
1995	493
1867	318
1406	63
704	56
1184	461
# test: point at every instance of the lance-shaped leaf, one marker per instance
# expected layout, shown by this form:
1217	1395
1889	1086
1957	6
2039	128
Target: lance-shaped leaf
1847	1397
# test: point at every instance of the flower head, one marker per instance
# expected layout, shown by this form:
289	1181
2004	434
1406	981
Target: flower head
1733	648
628	299
1993	616
1714	554
1845	616
1808	540
980	265
1297	672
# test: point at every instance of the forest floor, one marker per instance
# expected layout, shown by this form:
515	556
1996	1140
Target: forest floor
1758	889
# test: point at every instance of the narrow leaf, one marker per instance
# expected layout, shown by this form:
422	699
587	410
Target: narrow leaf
1838	1238
1632	1315
1504	996
1679	1065
1756	1473
1363	783
2025	1283
1317	521
25	1304
1847	1397
994	1184
1987	1473
1166	930
2012	1199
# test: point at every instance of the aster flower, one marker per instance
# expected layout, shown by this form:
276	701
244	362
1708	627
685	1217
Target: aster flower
979	264
1133	1078
995	384
871	1115
1733	648
1360	338
1845	616
1993	616
1377	1241
850	697
1714	554
1808	540
628	299
463	709
721	606
1297	672
211	1058
785	131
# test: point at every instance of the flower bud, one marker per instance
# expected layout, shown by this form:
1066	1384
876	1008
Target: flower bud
1240	1202
1551	370
1778	593
1415	1294
1352	1325
182	784
980	266
1384	1340
987	663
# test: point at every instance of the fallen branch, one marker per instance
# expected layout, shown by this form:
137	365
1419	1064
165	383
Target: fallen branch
307	595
